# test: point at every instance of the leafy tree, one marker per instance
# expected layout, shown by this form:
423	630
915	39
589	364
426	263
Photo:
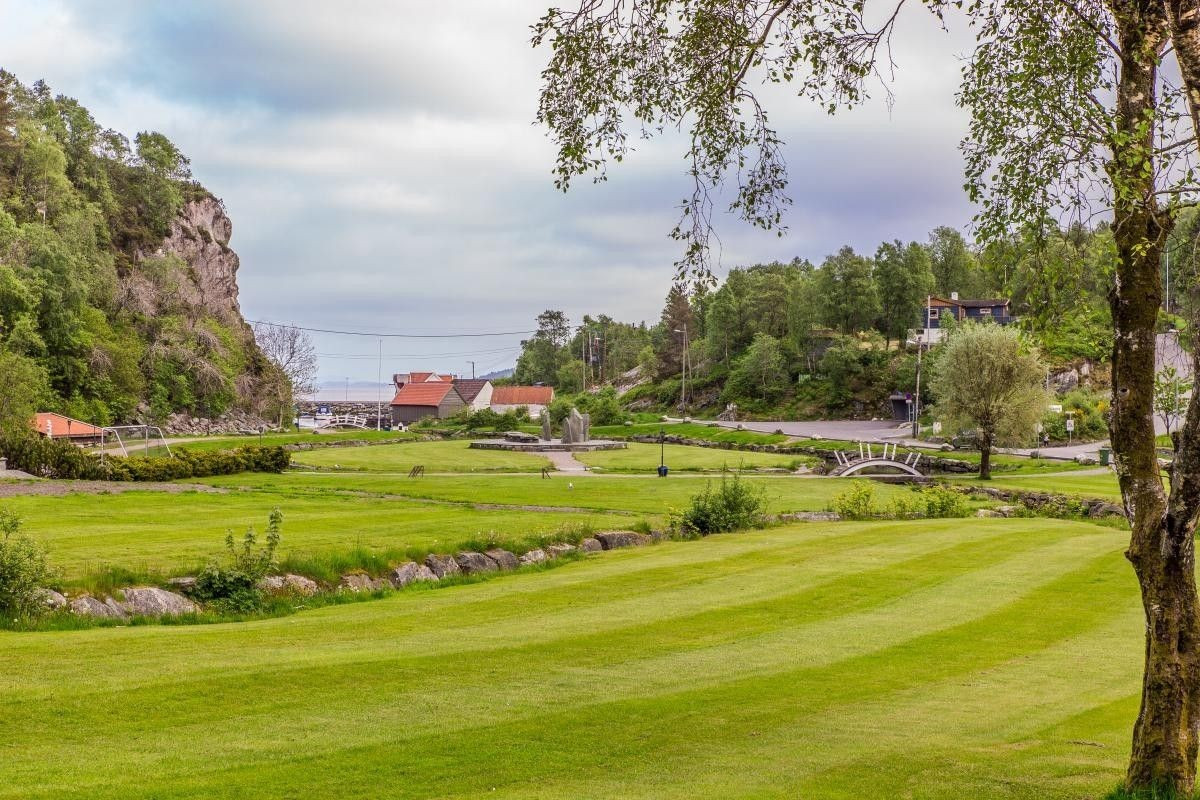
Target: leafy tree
847	288
23	392
989	380
952	263
1068	113
1170	397
760	373
542	355
24	569
903	275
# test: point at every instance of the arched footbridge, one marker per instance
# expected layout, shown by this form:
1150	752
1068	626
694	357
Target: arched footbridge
867	462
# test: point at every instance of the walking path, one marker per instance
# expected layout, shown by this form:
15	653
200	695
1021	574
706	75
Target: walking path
565	461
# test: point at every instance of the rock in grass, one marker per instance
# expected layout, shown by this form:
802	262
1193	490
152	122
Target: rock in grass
611	540
154	602
590	545
289	584
183	584
533	556
88	606
52	599
357	582
560	549
411	572
503	558
470	563
441	566
987	512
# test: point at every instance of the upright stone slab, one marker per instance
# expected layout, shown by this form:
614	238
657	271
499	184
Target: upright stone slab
546	434
586	432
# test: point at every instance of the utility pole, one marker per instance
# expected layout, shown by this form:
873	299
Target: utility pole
916	423
472	363
379	390
683	359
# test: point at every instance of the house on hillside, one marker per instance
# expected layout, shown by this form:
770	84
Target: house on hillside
510	398
939	309
419	400
59	426
475	392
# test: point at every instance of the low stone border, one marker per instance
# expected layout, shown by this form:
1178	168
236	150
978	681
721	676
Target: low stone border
1091	507
157	602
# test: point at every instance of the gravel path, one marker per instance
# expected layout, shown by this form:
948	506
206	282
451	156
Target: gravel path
565	461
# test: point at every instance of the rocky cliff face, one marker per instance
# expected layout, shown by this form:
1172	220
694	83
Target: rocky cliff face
200	237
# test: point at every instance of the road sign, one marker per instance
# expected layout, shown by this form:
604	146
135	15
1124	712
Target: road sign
1070	424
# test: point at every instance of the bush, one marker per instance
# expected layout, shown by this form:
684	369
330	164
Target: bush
233	587
734	505
24	570
857	502
943	503
55	458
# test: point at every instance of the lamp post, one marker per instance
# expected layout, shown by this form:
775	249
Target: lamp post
662	452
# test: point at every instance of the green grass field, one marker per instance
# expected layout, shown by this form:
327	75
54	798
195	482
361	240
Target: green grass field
450	456
276	439
1099	486
156	532
644	458
692	430
937	660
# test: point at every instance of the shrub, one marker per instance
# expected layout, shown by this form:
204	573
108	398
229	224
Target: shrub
943	503
733	505
233	586
857	502
24	570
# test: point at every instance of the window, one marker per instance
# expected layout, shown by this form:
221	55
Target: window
985	312
933	313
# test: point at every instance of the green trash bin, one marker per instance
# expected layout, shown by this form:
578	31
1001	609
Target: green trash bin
1105	453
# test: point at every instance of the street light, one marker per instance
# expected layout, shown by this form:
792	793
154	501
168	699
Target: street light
662	457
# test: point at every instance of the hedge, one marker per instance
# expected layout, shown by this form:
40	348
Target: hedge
60	459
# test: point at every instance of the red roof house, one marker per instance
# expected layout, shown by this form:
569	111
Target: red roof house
510	398
59	426
421	399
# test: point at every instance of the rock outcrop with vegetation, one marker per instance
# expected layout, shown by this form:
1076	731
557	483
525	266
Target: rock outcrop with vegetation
118	289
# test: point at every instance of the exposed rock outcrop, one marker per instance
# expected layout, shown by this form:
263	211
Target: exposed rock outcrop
289	584
611	540
473	563
503	558
441	566
154	602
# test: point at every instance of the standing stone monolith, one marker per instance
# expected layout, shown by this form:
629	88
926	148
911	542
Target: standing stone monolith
546	425
586	432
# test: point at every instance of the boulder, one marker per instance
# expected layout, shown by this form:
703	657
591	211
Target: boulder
503	558
590	545
810	516
357	582
611	540
289	584
53	600
88	606
471	563
411	572
441	566
533	557
1008	511
154	602
987	512
560	549
184	584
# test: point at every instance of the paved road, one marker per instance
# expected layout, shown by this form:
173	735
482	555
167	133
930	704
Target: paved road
877	430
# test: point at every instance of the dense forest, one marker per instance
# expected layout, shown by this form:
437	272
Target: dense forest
807	340
101	317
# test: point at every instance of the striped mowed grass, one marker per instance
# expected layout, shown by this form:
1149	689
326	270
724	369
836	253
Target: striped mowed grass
930	659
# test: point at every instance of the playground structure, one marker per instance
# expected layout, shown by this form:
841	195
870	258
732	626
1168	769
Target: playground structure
126	438
867	464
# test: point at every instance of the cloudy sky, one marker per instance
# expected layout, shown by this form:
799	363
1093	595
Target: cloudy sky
383	173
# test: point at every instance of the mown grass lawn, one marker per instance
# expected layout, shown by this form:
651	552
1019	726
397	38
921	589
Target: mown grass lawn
930	659
304	437
1102	486
638	494
157	532
692	430
644	458
449	456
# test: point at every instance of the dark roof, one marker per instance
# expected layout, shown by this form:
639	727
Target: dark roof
469	388
981	303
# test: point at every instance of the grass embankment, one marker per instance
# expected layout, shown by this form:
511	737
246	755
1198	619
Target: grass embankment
691	430
305	437
644	458
1103	486
930	658
451	456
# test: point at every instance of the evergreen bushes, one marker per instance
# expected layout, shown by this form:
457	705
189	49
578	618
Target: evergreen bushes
55	458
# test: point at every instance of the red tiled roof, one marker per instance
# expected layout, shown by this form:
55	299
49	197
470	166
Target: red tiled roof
418	377
57	425
522	395
422	394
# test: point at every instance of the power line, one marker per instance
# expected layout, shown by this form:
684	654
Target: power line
391	335
422	355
